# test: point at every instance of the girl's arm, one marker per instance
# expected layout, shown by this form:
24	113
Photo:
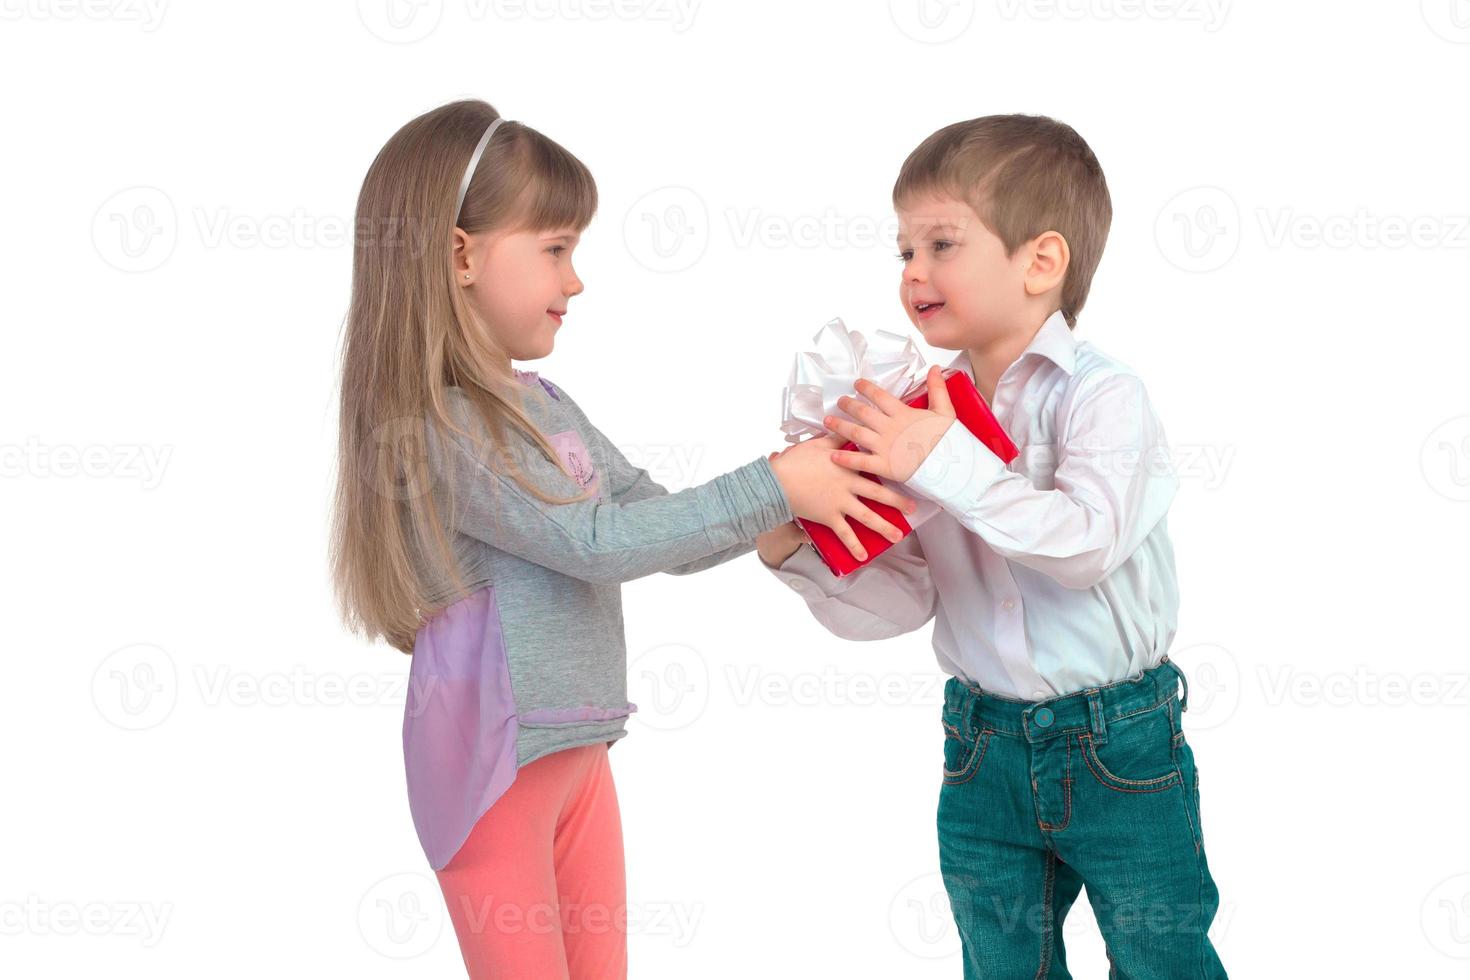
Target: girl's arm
626	482
608	542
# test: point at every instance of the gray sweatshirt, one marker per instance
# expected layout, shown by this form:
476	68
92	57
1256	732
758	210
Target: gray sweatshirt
534	660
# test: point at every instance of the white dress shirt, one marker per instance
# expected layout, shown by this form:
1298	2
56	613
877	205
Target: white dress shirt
1045	576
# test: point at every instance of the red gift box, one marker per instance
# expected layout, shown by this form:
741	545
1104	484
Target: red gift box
975	415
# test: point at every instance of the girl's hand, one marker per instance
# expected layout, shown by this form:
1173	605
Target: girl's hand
775	546
822	491
897	437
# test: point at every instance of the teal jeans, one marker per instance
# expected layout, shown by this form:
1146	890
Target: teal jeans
1094	788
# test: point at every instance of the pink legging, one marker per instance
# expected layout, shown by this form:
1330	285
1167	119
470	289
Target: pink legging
538	890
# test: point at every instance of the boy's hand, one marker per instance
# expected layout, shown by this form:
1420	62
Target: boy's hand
897	438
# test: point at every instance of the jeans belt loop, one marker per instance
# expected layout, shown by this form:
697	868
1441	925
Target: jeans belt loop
1096	723
1183	698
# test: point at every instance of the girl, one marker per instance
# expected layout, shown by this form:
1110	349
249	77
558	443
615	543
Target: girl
483	524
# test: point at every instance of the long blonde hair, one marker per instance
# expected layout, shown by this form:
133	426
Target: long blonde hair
410	334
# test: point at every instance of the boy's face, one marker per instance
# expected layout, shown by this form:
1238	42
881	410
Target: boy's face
958	287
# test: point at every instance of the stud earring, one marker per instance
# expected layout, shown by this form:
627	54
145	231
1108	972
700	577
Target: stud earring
466	275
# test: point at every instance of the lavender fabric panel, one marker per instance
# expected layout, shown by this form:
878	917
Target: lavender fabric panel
459	723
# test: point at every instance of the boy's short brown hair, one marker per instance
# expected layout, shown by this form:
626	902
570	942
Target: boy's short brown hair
1023	175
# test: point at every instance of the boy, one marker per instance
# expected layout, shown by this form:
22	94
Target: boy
1051	580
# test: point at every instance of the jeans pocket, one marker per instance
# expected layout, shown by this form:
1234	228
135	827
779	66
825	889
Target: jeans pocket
1138	753
1199	827
962	753
1190	773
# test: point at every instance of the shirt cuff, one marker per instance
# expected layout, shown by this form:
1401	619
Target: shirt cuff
807	574
958	470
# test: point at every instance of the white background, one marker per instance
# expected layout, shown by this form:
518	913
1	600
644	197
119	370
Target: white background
204	771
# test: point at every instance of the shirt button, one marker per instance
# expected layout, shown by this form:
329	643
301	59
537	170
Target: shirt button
1008	604
1038	694
795	583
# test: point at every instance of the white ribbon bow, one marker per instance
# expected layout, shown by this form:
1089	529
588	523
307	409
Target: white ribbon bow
820	377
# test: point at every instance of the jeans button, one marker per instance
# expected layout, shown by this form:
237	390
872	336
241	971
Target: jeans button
1043	717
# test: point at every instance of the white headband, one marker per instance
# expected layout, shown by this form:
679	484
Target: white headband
469	171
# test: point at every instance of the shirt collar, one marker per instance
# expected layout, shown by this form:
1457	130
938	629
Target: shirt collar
1054	341
532	378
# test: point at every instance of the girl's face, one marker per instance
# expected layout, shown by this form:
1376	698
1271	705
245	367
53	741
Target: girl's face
519	284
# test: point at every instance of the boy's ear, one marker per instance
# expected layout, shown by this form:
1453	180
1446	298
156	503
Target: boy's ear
1050	257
